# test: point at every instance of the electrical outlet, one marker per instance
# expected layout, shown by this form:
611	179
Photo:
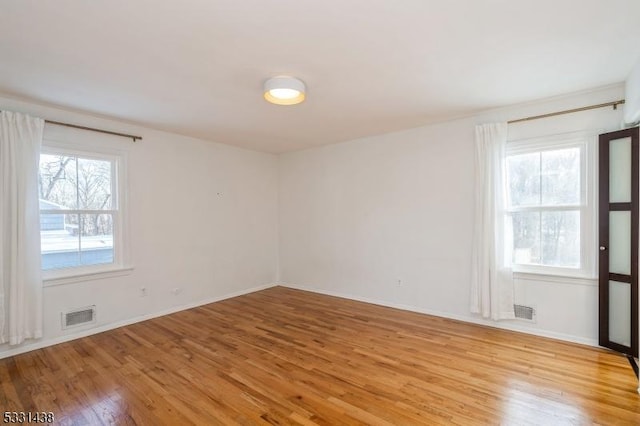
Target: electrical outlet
143	292
399	282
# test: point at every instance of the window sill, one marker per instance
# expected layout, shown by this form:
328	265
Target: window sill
555	279
87	276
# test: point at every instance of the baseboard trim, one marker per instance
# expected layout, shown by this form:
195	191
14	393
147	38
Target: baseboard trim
84	333
469	319
28	347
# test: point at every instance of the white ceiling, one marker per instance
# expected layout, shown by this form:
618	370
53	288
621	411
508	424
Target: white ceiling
196	67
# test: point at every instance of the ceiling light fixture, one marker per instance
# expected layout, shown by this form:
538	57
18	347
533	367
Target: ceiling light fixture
283	90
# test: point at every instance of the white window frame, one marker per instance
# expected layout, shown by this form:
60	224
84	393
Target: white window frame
121	259
587	143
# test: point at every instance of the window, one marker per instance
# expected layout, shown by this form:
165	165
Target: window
550	207
81	226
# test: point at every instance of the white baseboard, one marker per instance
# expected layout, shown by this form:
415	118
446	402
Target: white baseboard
88	332
469	319
39	344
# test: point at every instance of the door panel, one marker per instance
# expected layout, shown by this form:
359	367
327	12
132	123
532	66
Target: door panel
618	229
619	313
620	242
620	170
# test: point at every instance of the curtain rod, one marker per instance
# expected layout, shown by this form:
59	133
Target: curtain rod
614	104
91	129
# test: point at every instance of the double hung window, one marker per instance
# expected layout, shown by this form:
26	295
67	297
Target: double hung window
81	217
550	225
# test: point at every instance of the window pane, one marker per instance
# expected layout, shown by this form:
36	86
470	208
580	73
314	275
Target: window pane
57	182
561	239
526	237
620	170
96	242
620	313
560	178
94	184
523	173
59	241
548	238
620	242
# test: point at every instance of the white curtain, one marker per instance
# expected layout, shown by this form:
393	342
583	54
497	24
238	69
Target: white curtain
20	265
491	279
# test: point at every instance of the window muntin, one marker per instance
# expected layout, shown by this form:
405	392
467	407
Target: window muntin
549	219
79	212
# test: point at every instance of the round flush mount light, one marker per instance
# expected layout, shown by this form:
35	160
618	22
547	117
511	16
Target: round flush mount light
284	90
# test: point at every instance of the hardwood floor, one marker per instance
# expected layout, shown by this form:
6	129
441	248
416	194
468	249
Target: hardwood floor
284	356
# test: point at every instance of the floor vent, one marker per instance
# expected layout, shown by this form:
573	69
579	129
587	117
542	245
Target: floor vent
525	312
79	317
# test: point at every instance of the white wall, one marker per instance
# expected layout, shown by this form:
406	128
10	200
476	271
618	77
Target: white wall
349	219
358	216
176	184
